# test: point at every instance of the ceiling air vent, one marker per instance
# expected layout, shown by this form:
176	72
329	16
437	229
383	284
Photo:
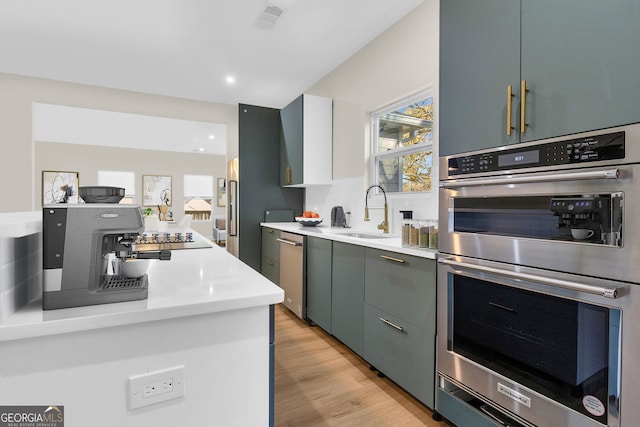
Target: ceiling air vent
269	16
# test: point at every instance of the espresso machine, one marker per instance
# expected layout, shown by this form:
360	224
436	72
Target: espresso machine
601	214
80	242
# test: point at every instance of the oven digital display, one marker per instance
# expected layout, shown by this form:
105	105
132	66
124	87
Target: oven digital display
519	158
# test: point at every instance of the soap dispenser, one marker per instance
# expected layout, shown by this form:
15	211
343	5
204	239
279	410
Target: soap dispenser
407	223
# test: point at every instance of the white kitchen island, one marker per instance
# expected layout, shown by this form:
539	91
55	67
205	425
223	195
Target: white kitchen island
206	311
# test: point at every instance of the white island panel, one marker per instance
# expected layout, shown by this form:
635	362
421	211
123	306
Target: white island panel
206	311
225	355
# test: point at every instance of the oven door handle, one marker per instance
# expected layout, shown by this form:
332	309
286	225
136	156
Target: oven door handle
565	284
510	179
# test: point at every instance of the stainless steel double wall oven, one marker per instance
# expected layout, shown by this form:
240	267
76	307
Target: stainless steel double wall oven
539	281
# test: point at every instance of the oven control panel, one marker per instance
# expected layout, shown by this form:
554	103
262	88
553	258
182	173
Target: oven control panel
571	151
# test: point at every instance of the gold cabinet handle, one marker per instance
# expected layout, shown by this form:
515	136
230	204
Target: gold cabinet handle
523	107
392	258
510	96
287	173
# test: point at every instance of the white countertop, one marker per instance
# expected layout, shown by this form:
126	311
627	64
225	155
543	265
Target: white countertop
193	282
389	242
20	224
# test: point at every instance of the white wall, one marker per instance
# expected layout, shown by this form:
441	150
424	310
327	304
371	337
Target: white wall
16	132
401	62
88	160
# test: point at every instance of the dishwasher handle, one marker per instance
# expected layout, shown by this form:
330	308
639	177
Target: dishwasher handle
289	242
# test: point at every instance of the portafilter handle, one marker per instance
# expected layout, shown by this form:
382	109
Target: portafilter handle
161	255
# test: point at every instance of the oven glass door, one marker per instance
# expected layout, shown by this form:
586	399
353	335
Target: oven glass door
564	348
546	217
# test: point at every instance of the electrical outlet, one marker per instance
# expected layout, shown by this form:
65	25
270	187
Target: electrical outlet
158	387
155	387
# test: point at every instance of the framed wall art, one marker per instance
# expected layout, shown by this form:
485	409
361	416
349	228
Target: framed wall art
60	187
222	192
156	190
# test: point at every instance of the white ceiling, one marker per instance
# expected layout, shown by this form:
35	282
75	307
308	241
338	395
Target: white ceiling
186	48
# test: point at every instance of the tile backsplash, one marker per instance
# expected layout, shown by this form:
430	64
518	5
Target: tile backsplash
350	194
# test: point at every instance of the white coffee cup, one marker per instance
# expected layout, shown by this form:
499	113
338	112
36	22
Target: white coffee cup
581	233
131	267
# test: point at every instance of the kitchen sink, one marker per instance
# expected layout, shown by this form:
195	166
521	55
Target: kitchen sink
365	235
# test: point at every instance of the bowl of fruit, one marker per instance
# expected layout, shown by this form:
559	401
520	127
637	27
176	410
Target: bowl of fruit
309	219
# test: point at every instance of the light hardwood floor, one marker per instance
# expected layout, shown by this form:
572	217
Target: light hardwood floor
320	382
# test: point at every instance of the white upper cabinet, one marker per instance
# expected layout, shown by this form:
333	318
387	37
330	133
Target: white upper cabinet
307	142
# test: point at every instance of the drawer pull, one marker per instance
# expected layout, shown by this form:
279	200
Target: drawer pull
390	258
502	307
269	262
393	325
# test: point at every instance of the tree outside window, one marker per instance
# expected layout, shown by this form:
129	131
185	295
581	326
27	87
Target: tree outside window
402	145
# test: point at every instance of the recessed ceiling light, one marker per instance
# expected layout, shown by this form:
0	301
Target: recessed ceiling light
212	137
230	80
200	150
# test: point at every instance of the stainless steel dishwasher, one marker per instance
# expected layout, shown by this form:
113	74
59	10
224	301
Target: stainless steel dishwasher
292	272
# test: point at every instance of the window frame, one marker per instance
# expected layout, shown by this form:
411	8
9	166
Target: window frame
401	151
198	187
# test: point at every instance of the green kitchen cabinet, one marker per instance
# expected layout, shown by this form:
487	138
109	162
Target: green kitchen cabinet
347	295
402	351
575	60
479	57
306	146
400	320
259	135
319	281
270	267
403	285
579	59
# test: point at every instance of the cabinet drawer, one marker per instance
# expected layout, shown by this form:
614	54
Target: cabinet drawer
319	281
402	351
460	412
271	270
347	294
402	285
270	245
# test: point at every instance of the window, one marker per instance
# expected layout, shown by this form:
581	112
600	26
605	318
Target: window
402	134
126	180
198	194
